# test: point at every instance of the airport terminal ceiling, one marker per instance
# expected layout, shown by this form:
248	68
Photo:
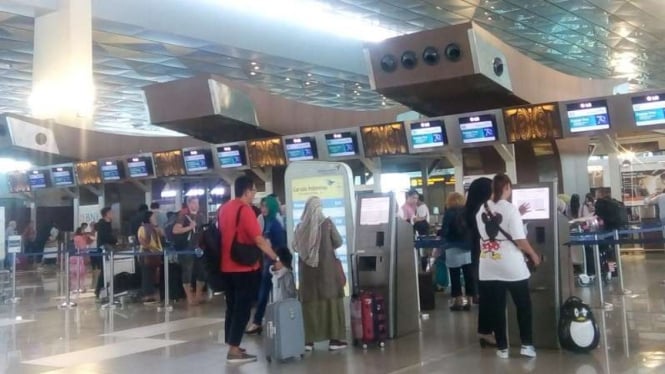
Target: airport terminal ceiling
588	38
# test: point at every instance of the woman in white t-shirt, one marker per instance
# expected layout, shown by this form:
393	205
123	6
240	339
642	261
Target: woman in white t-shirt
503	268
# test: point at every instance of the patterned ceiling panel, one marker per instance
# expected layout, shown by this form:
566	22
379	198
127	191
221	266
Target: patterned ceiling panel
589	38
127	58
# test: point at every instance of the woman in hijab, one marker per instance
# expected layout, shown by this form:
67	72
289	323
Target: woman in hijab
480	191
321	284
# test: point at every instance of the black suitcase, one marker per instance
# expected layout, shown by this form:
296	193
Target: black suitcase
176	292
426	291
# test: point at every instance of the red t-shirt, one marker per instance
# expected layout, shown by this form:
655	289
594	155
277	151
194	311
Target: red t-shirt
248	229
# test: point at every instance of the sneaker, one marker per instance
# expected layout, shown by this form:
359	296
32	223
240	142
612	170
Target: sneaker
502	353
309	347
241	358
336	345
528	351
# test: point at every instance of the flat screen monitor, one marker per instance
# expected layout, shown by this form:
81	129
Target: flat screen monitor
111	170
18	182
478	129
62	176
428	134
374	211
140	167
588	116
300	149
342	144
197	160
231	156
649	110
537	199
38	179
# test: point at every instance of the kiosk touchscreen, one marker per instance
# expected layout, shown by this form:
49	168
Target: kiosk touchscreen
332	182
541	223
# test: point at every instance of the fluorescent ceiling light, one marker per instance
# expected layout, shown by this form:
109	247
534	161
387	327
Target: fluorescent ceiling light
316	15
195	192
218	191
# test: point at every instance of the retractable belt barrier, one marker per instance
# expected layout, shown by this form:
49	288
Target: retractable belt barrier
109	254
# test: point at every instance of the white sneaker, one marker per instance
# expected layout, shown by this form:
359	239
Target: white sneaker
502	353
528	351
309	347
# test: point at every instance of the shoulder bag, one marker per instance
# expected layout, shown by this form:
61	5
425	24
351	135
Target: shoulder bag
529	263
243	254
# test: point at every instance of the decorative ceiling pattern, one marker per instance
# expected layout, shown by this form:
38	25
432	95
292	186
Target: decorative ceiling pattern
127	58
588	38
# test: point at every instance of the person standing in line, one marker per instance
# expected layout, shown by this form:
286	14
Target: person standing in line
187	231
457	246
574	209
408	210
321	288
161	217
503	267
237	221
275	233
29	236
588	208
136	221
77	268
105	237
149	236
479	192
11	228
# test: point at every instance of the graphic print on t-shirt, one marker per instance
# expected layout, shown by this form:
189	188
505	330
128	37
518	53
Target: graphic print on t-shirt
490	248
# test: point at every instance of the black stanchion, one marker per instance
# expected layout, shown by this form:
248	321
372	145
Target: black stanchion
68	303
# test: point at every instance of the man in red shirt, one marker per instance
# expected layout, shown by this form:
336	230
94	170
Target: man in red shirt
242	281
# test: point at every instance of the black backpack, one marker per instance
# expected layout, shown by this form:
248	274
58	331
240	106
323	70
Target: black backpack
612	212
210	242
578	330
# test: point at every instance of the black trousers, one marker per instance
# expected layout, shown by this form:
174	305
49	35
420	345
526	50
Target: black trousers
456	281
493	307
241	291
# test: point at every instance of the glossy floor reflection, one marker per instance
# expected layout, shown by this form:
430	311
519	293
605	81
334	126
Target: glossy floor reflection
36	337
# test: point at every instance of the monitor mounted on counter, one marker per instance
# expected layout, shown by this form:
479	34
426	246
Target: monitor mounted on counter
588	116
88	173
427	135
169	163
18	182
232	155
111	170
63	176
481	128
197	160
342	144
300	148
141	166
649	110
384	140
39	179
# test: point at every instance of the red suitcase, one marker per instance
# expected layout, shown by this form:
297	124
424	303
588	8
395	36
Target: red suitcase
373	321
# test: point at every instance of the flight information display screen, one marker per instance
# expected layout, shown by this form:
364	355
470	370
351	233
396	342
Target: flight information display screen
342	144
300	149
197	160
38	179
111	170
649	110
62	176
231	156
430	134
478	129
140	167
588	116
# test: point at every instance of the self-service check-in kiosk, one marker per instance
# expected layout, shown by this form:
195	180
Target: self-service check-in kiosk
384	260
542	223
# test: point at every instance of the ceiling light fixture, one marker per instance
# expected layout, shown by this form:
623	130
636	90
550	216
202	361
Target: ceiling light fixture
256	67
315	15
252	73
253	63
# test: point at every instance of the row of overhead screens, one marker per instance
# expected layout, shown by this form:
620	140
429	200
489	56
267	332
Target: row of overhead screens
525	123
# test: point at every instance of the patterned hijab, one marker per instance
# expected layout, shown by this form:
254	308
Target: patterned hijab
307	239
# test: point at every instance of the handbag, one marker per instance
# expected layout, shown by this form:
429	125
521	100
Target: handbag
243	254
529	263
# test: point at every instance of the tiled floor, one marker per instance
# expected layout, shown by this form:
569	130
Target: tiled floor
140	339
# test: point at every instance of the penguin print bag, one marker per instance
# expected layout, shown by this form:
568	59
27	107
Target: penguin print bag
578	330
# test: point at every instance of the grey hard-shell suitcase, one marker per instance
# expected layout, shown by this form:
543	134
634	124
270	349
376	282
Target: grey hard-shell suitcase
284	331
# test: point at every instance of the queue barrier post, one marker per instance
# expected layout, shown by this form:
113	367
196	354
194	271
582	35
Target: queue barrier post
599	276
167	297
109	275
14	299
617	251
68	303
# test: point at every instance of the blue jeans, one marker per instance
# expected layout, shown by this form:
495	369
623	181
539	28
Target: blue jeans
264	293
